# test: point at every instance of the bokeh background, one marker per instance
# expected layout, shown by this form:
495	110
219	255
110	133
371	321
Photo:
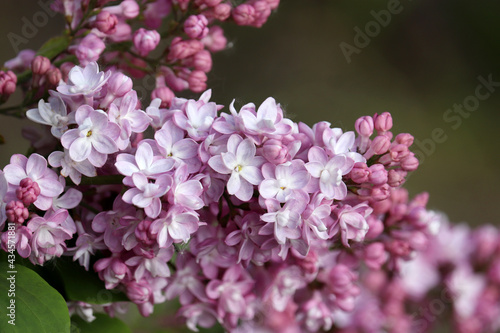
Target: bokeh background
427	59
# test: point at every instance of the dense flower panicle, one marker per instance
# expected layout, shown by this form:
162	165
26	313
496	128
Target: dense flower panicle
253	221
245	190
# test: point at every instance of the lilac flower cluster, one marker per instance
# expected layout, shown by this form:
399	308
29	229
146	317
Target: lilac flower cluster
251	220
108	31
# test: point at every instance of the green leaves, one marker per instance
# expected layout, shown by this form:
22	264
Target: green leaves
34	305
54	47
82	285
102	324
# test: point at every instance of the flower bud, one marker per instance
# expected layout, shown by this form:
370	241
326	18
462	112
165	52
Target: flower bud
40	65
53	76
197	81
195	26
16	212
404	139
119	84
396	177
273	3
215	40
364	126
202	61
383	122
105	22
146	41
410	163
378	174
360	173
165	94
244	14
375	256
8	81
262	12
181	49
274	151
220	12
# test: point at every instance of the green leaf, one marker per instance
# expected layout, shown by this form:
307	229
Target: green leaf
102	324
82	285
54	47
37	307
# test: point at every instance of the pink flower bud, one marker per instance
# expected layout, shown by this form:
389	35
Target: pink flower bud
244	14
53	76
341	280
146	41
65	69
197	81
375	255
89	49
404	139
176	83
139	293
262	12
220	12
398	152
396	177
105	22
360	173
180	49
202	61
165	94
376	193
16	212
410	163
274	151
28	191
195	26
376	227
8	81
119	84
364	126
494	272
40	65
378	174
215	41
383	122
379	145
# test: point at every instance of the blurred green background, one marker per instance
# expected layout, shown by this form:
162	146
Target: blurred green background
424	61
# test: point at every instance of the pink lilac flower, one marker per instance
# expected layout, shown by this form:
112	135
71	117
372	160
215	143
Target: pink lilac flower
175	226
94	138
22	238
71	168
267	120
49	235
85	81
242	164
173	145
351	222
197	119
144	161
281	181
88	49
128	118
329	172
155	266
146	194
35	168
53	114
186	282
233	292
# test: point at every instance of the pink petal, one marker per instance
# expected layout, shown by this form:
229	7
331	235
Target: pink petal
80	149
104	144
